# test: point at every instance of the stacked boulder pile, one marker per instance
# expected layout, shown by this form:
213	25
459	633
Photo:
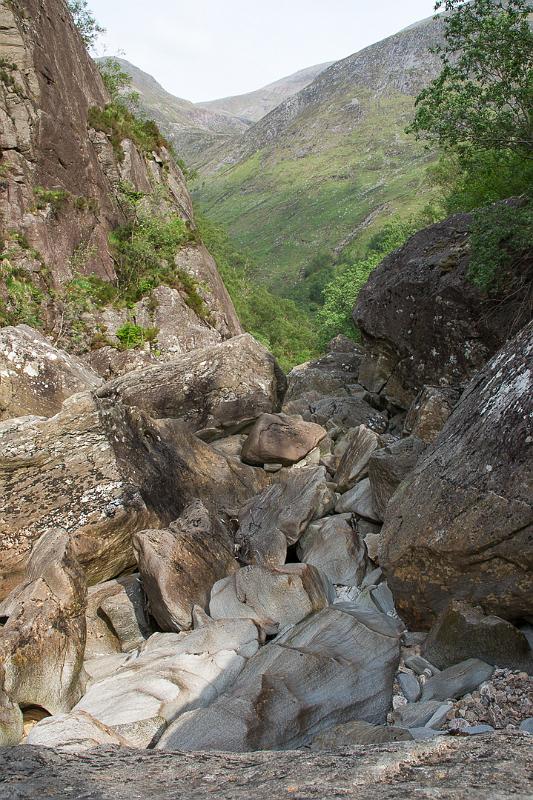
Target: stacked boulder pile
197	555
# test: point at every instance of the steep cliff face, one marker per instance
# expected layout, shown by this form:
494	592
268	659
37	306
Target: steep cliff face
62	194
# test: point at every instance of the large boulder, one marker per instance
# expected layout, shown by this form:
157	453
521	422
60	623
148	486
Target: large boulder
274	597
277	517
462	632
280	439
172	673
116	617
335	666
43	640
35	376
353	464
329	375
73	732
334	545
180	564
216	390
63	472
424	322
461	526
429	411
389	466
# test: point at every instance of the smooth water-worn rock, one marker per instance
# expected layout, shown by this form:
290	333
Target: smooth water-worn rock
334	545
423	322
43	640
336	666
463	632
353	466
172	673
358	500
429	411
278	516
179	565
272	596
213	390
116	617
280	439
73	732
389	466
410	686
457	680
35	376
461	527
416	715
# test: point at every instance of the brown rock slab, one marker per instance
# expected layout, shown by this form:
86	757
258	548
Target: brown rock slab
353	465
280	439
389	466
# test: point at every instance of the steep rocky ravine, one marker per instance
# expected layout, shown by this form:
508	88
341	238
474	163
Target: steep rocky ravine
199	553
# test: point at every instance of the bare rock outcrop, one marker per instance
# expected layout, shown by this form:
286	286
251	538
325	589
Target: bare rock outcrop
277	517
274	597
461	526
424	322
35	376
43	640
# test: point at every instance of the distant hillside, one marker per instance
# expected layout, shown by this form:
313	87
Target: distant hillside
325	169
187	125
252	106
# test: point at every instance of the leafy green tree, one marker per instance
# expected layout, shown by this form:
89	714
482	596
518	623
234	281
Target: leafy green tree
85	22
483	98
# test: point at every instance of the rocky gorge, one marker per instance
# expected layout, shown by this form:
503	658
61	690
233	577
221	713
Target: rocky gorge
219	578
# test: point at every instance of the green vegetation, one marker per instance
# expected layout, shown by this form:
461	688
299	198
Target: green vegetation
133	336
500	236
85	22
483	97
20	298
121	119
478	111
145	253
275	321
55	198
341	294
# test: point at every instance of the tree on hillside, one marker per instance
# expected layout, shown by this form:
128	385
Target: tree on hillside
483	98
85	22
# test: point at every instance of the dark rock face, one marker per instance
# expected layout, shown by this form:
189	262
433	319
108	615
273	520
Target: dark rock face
429	411
389	466
463	632
461	527
423	322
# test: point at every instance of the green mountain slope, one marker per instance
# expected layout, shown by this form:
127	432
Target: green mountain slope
324	170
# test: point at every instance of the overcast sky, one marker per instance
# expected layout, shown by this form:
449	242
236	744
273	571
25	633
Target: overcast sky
206	49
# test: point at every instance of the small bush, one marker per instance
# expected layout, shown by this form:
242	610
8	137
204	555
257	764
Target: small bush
119	123
54	198
132	336
20	298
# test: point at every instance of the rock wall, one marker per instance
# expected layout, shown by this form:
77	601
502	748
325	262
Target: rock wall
48	84
424	322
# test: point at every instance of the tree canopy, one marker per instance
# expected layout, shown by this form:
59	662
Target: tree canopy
483	97
85	22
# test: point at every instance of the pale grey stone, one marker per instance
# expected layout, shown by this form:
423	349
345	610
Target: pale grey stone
457	680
